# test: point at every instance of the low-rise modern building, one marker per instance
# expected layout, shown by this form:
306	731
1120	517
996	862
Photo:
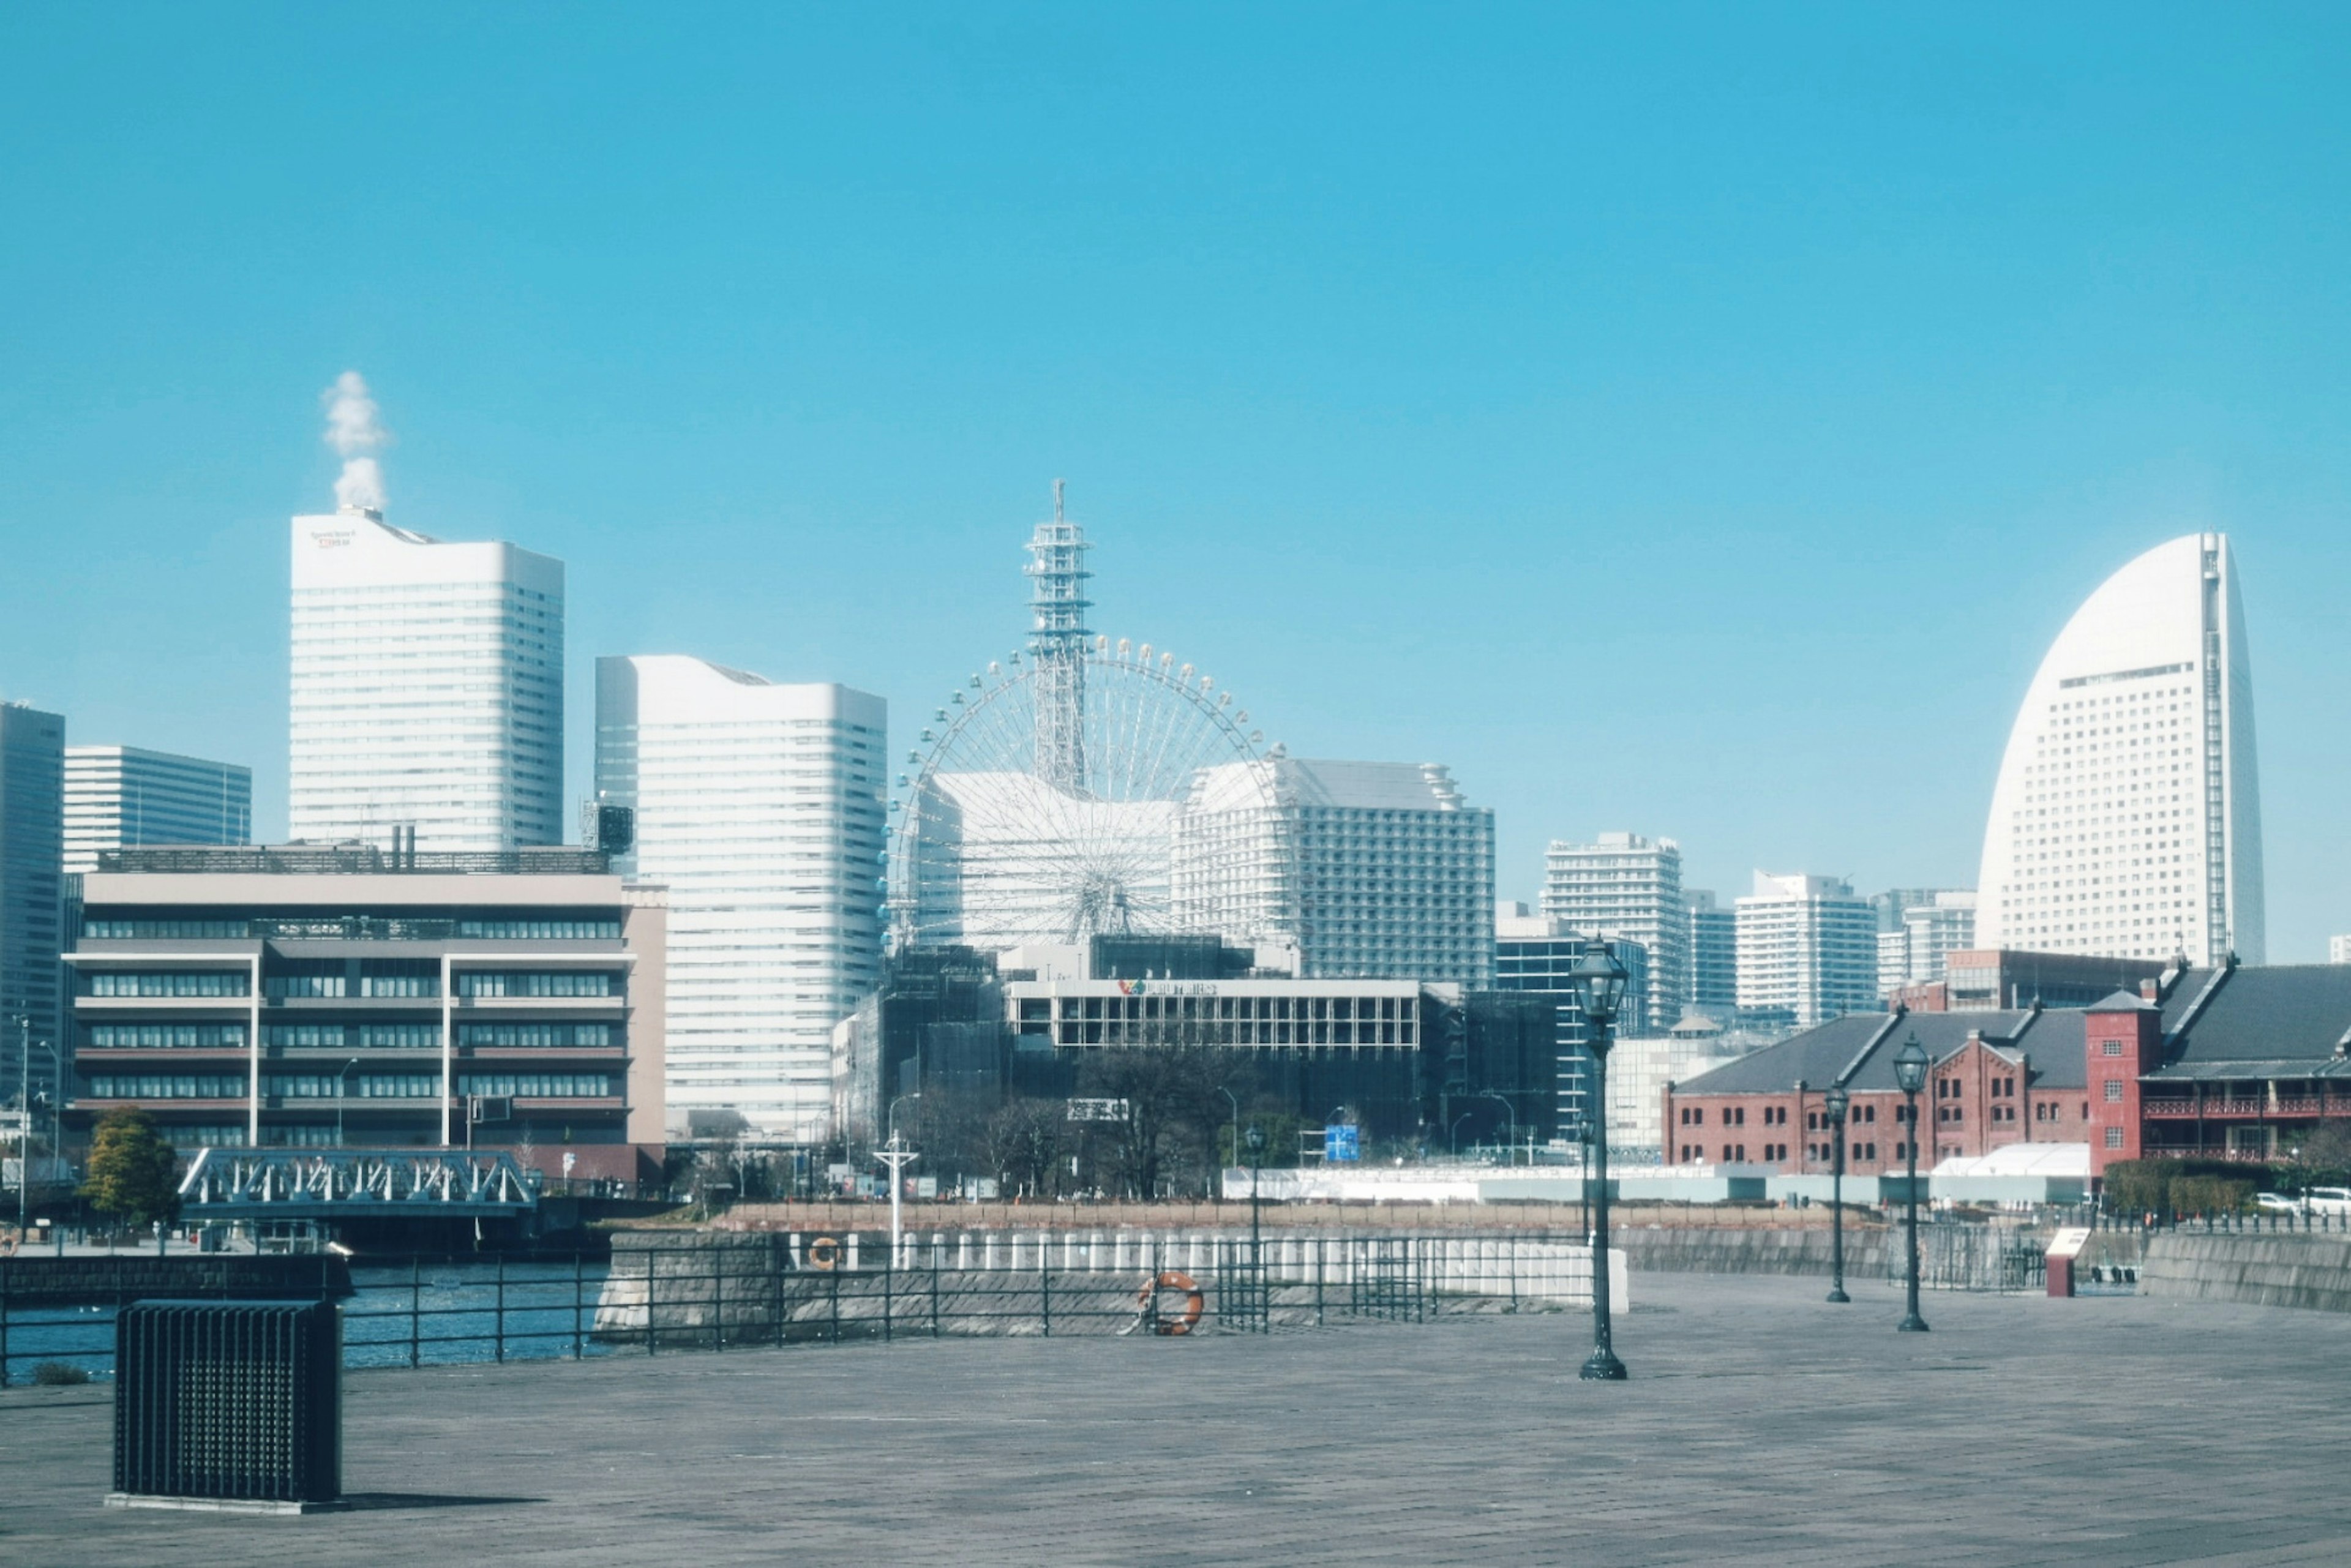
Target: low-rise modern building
313	995
1981	979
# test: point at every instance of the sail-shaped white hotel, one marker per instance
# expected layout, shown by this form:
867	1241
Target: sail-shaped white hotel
2126	821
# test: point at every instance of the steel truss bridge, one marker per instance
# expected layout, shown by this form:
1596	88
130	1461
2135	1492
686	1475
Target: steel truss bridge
349	1183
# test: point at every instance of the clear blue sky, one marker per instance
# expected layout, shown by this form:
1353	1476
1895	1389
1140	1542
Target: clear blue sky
1690	420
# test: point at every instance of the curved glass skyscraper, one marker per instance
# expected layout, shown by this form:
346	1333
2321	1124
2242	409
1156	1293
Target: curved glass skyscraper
2126	821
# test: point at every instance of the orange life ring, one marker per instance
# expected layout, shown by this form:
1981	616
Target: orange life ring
823	1252
1173	1279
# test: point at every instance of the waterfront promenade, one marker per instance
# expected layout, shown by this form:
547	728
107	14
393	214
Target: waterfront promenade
1761	1426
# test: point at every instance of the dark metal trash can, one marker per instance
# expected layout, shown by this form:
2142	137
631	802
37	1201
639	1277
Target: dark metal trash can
229	1404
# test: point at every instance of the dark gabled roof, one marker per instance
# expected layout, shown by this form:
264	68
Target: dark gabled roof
2051	1040
2123	1002
2278	1013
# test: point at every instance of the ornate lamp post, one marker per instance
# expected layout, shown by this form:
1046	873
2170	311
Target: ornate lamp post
1836	1099
1910	1072
1599	980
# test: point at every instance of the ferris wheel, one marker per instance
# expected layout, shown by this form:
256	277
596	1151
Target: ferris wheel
1042	799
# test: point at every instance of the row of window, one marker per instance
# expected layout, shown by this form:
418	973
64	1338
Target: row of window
170	983
357	1086
165	1036
156	928
539	983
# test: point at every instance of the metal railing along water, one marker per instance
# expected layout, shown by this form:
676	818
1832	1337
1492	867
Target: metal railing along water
787	1289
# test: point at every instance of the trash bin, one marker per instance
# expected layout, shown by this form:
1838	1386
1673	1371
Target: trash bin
229	1405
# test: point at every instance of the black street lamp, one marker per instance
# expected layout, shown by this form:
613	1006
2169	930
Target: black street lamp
1910	1072
1836	1099
342	1093
1599	980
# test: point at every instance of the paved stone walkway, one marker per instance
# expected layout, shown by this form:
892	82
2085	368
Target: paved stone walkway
1762	1426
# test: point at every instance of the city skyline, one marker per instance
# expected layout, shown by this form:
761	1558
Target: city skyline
1844	475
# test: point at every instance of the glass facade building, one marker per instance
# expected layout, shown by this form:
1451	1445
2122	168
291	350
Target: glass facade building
119	796
427	688
31	887
759	806
1536	954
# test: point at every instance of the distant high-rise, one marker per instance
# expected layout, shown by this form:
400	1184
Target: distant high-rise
2338	949
1807	945
2127	818
759	807
32	850
1368	870
1929	925
1629	886
119	796
427	688
1713	988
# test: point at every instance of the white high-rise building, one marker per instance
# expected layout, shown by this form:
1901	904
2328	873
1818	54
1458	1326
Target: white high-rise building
120	795
427	689
1629	886
759	806
1807	945
2338	949
1364	870
2126	819
1934	924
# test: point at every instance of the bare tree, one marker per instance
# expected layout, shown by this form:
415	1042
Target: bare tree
1171	1094
1025	1141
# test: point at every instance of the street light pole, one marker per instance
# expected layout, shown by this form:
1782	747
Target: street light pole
1511	1111
1837	1101
1600	987
342	1082
1237	1139
1910	1072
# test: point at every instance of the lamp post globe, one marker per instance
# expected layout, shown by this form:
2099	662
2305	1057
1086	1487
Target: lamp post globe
1599	984
1837	1101
1910	1075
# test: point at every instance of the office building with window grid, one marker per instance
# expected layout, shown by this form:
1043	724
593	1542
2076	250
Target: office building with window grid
303	996
2127	817
1629	886
427	688
1363	870
123	795
759	806
32	892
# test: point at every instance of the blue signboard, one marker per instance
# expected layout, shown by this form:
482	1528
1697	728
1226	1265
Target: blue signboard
1341	1142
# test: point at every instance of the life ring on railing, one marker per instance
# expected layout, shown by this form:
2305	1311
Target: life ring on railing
823	1252
1147	1299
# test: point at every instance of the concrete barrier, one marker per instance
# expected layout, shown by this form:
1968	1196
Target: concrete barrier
2267	1271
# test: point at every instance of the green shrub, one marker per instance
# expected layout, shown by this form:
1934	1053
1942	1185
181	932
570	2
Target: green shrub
58	1375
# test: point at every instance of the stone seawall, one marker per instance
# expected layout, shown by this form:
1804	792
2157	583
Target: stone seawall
2285	1271
97	1281
1867	1253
